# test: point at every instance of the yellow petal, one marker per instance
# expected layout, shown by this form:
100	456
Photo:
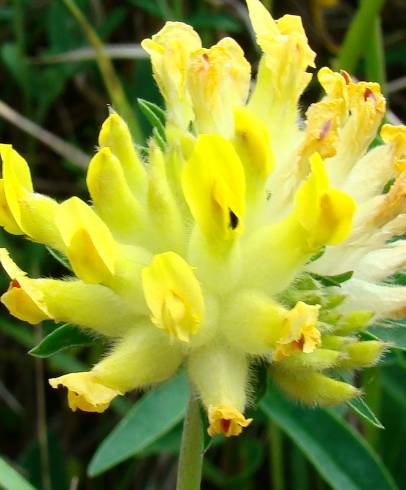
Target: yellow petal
302	334
314	388
23	299
261	20
393	203
220	376
367	106
321	216
142	357
335	85
111	195
322	131
325	213
214	187
395	136
173	295
253	144
226	420
362	109
219	80
166	225
91	306
33	213
256	324
170	51
85	391
7	220
116	135
282	75
90	247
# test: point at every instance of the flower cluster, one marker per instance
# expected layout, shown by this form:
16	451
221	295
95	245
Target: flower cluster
212	249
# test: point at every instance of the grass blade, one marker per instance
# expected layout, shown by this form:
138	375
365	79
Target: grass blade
357	40
375	56
111	80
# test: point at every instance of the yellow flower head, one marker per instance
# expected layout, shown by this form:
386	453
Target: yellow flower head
246	232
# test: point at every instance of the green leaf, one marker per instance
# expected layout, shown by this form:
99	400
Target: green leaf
11	480
112	21
393	332
339	454
386	189
61	338
360	406
169	443
11	57
393	408
154	415
155	115
209	20
399	278
336	280
356	41
375	55
317	255
158	139
394	384
59	257
152	7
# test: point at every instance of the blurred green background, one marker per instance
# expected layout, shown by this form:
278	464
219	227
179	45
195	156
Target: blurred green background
55	87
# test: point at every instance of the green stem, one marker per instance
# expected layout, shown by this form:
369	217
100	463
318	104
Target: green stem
275	439
191	451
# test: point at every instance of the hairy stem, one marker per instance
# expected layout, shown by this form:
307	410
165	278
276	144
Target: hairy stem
275	439
191	451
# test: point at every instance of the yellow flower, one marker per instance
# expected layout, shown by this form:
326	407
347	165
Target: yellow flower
219	80
211	253
214	187
227	421
170	51
22	299
173	295
85	392
303	335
